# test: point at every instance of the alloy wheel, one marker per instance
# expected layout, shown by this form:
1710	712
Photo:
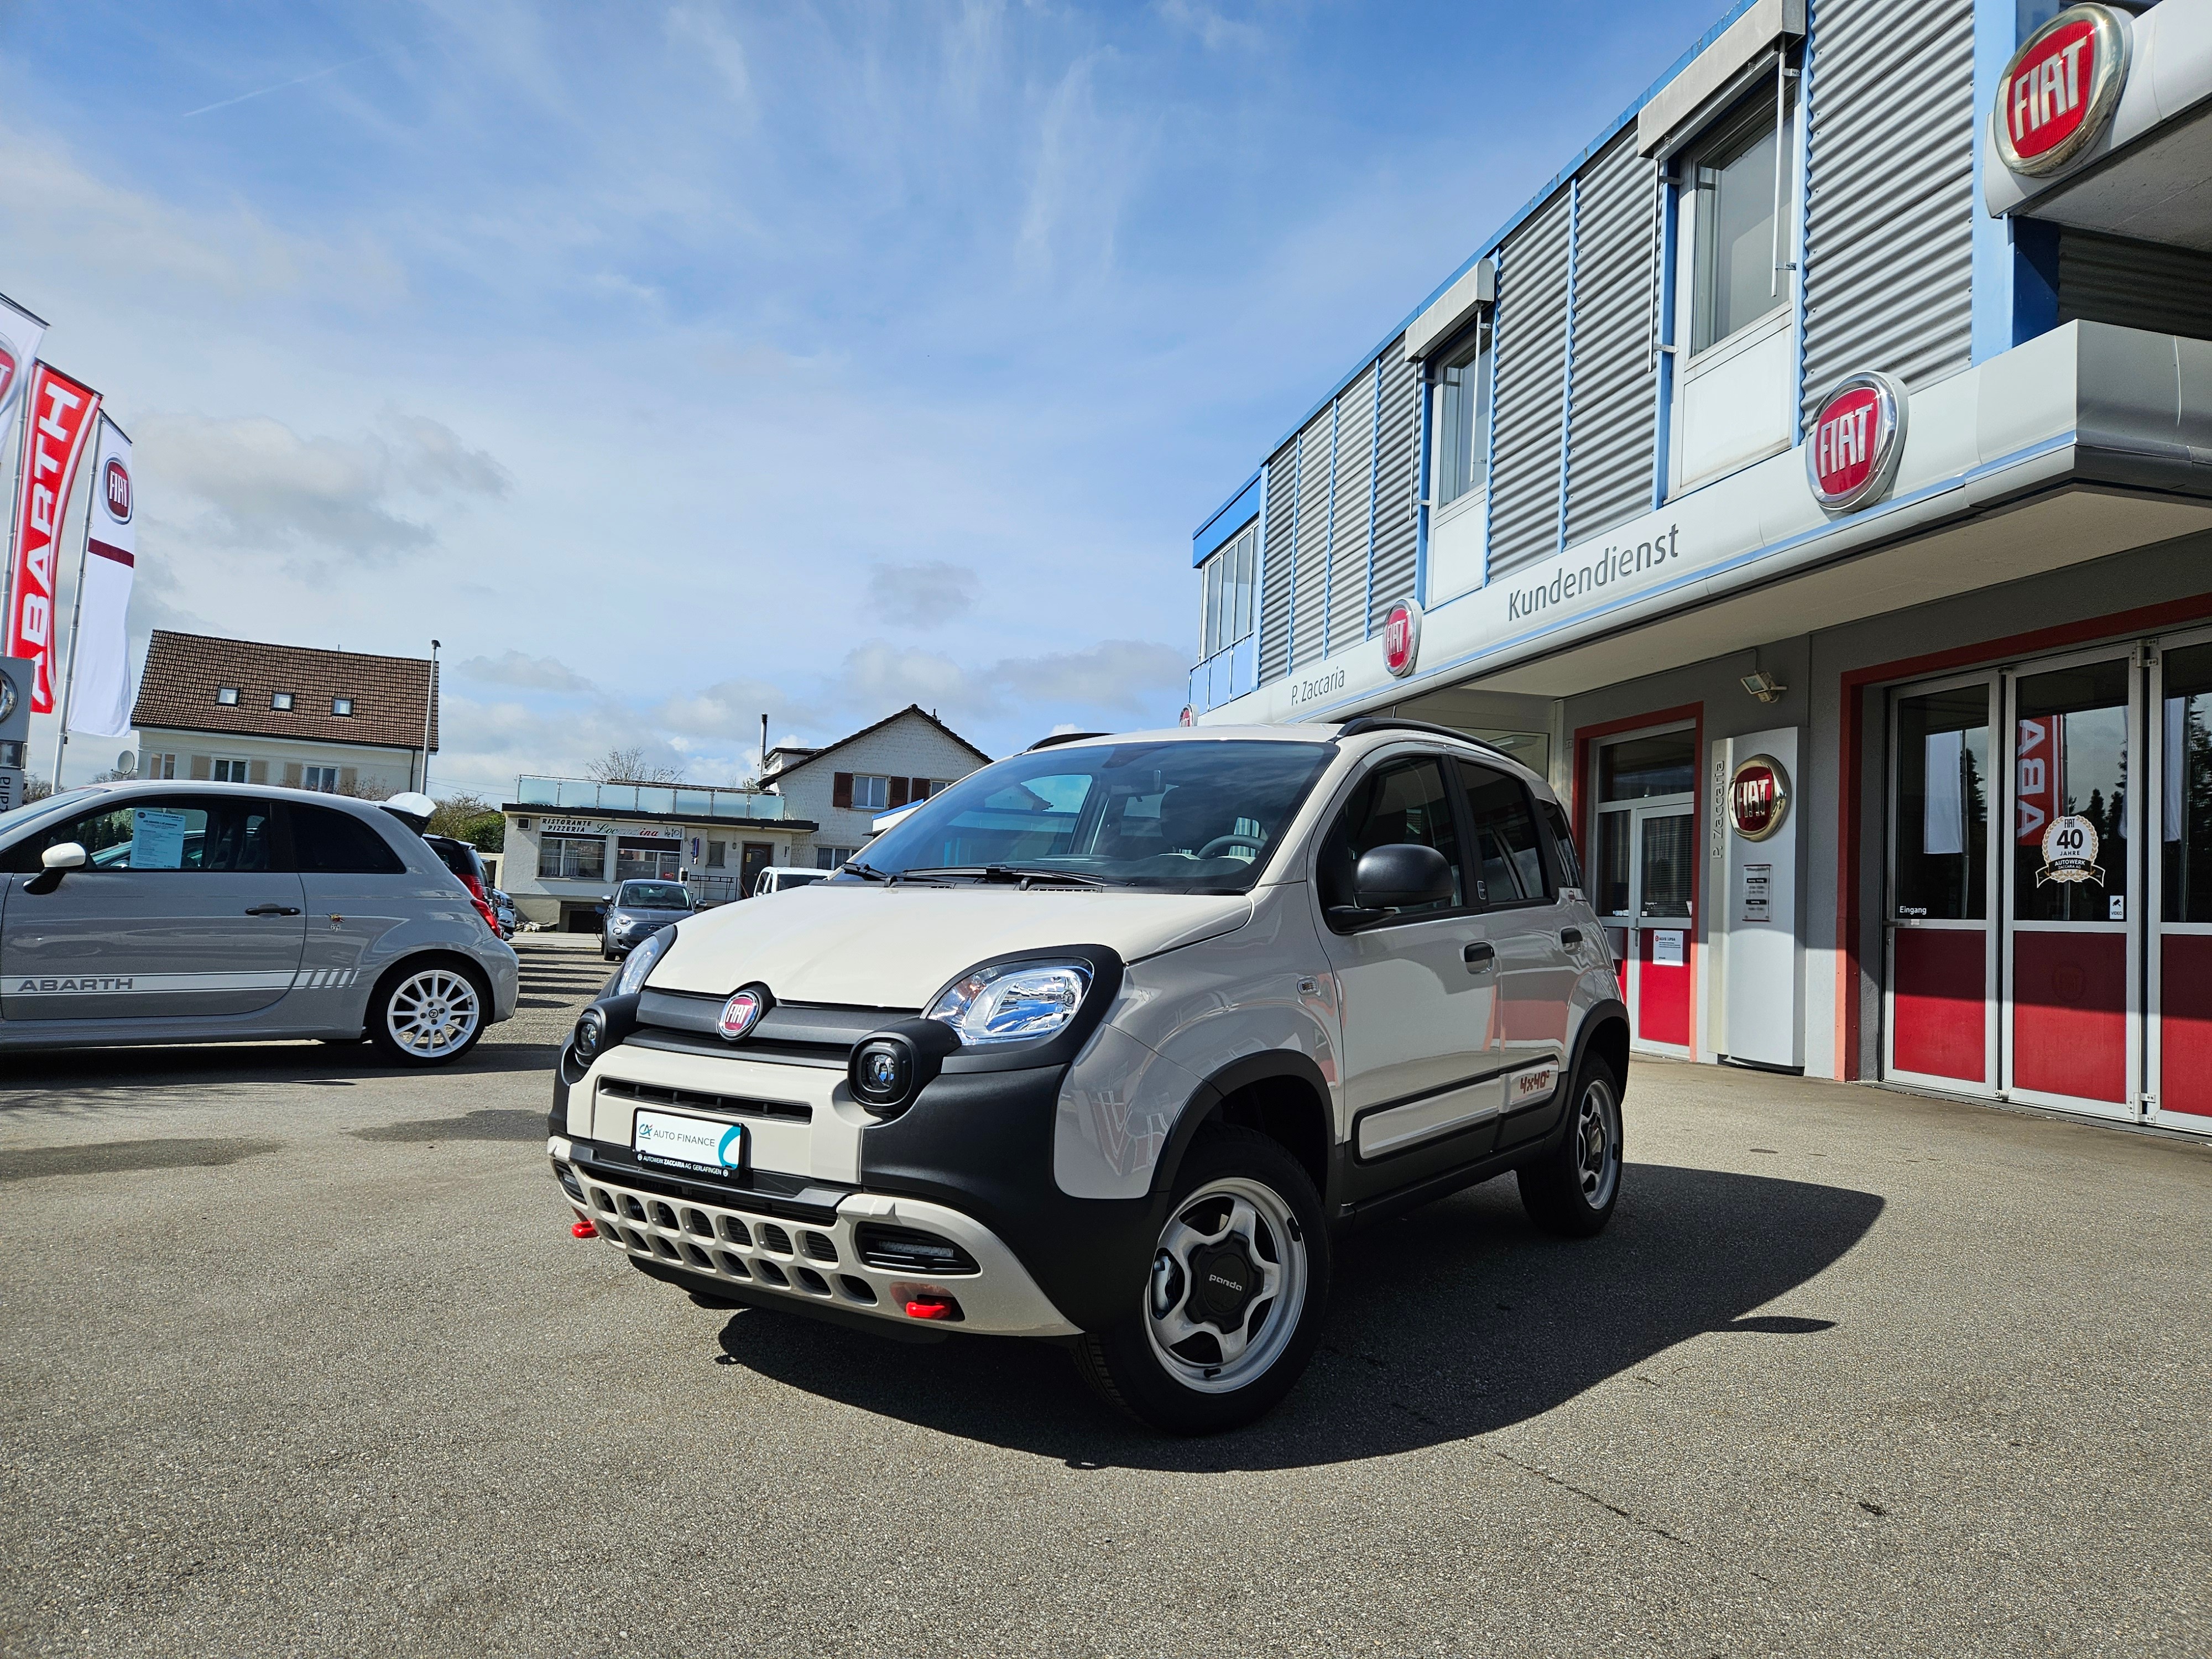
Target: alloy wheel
1229	1281
433	1014
1597	1143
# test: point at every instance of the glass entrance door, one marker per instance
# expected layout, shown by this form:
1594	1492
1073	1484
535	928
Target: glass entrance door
2072	1036
1942	944
2179	959
1645	878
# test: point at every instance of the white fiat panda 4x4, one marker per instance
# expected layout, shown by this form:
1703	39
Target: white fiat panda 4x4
1106	1042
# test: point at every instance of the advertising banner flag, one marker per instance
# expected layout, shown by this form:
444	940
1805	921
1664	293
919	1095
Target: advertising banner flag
56	421
20	334
100	650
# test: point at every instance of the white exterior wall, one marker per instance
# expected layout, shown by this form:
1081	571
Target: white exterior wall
378	772
908	747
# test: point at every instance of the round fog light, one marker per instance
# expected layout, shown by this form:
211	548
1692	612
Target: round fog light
590	1033
881	1071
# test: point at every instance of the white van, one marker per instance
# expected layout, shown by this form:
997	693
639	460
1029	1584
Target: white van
784	878
1106	1043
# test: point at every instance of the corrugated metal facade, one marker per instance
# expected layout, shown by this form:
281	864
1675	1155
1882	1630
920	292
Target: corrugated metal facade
1530	400
1612	417
2108	279
1310	593
1889	216
1275	564
1354	500
1394	517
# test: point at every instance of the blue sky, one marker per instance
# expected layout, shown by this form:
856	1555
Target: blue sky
678	364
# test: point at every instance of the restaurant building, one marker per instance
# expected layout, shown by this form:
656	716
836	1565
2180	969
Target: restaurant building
1814	480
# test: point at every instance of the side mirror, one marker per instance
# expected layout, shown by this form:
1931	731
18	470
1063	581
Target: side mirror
69	855
1398	877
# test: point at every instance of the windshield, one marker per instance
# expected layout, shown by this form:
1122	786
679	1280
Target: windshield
1188	817
653	896
18	817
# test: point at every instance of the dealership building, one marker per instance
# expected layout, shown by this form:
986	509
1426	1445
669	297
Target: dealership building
1813	479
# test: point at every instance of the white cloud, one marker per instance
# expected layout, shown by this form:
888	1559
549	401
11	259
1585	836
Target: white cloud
924	595
523	672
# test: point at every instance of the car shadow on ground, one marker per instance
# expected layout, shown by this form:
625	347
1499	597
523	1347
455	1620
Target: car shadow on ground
1456	1320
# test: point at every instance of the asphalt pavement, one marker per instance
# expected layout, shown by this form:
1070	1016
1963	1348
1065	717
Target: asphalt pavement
300	1358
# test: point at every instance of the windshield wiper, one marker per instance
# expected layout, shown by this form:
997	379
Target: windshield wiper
1014	873
865	872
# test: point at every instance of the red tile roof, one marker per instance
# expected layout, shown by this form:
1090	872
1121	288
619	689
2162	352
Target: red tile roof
185	672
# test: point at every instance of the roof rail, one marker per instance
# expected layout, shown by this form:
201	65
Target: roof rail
1360	725
1059	737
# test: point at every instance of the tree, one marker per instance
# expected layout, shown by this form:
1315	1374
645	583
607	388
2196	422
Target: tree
627	766
470	817
35	787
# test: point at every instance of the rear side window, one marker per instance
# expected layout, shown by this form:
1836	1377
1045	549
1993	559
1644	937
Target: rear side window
331	844
1509	856
1562	844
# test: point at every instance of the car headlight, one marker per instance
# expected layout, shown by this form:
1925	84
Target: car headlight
1014	1002
639	963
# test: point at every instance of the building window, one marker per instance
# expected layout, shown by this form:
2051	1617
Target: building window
1736	274
572	858
641	858
280	700
717	852
342	705
1229	575
870	794
322	778
829	858
162	767
227	696
229	769
1462	419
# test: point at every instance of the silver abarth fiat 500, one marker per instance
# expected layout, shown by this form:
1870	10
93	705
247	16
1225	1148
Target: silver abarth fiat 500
138	913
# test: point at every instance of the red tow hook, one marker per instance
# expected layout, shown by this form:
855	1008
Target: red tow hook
930	1306
582	1228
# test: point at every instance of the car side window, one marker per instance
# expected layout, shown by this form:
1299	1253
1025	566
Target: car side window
182	833
1401	800
1509	854
328	843
1563	845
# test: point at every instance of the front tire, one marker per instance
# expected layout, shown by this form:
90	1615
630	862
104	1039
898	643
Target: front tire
428	1013
1229	1313
1572	1188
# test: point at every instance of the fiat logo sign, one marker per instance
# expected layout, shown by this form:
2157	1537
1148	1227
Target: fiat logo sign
1401	638
2059	91
1758	798
10	367
1854	440
741	1013
117	482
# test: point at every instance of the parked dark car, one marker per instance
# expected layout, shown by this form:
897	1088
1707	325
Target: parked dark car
461	858
637	910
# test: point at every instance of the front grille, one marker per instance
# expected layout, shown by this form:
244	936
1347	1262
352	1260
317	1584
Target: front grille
908	1249
790	1033
703	1238
698	1100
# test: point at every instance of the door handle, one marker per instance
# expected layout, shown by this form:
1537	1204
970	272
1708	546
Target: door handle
1570	937
1478	957
274	910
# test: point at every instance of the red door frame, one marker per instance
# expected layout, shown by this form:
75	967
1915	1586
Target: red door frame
1583	807
1851	760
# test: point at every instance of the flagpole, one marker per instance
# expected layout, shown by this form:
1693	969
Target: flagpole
76	615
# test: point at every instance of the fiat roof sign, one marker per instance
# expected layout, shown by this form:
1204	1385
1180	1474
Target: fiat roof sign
2059	91
1853	442
1401	638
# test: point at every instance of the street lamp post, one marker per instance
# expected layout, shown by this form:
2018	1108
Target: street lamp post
429	701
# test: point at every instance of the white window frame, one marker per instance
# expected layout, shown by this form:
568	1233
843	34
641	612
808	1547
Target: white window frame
1228	593
281	700
1692	366
343	708
220	768
1482	342
878	791
322	779
227	696
829	858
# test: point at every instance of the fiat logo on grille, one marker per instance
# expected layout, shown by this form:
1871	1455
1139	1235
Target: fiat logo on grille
741	1013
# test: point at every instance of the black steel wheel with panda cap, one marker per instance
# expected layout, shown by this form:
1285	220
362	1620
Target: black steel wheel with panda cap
1231	1308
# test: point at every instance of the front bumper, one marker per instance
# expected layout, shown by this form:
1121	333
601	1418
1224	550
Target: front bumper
757	1245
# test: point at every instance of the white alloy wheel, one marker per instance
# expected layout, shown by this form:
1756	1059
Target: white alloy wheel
1229	1281
433	1014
